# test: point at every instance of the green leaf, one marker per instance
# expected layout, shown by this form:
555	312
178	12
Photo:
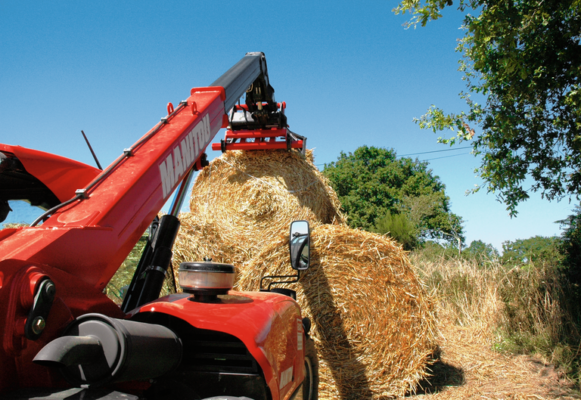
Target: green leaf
523	59
372	183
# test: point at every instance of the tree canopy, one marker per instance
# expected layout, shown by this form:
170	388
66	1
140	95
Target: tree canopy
537	250
399	227
374	185
524	58
481	252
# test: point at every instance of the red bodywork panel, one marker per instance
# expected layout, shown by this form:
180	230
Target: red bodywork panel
269	138
96	234
269	324
61	175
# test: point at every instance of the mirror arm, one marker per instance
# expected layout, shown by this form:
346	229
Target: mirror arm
297	277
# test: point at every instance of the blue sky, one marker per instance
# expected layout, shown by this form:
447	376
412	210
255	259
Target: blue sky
350	73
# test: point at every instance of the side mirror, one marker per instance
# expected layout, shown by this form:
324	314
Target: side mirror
299	245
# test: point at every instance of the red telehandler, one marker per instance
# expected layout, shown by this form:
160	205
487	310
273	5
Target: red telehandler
63	338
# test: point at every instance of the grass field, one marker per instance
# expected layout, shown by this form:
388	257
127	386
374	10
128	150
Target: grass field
519	310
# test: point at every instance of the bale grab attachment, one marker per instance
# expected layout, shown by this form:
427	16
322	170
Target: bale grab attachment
260	123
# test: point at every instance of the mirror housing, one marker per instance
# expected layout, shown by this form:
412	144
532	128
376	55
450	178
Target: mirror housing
300	245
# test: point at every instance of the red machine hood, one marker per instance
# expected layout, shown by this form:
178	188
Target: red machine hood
61	175
265	322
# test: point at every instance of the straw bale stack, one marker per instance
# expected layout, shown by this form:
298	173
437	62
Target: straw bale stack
373	323
243	199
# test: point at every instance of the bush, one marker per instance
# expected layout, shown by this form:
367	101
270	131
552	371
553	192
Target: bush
541	316
482	253
117	286
430	250
399	227
570	248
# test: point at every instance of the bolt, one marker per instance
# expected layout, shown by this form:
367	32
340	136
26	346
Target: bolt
38	325
49	290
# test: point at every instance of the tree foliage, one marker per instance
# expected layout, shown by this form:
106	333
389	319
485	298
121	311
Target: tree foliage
373	183
524	58
437	252
534	251
399	227
570	246
480	252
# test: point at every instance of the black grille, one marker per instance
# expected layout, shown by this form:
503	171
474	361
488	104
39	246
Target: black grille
213	363
216	352
205	350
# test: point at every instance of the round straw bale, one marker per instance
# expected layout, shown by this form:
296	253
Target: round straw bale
244	198
373	322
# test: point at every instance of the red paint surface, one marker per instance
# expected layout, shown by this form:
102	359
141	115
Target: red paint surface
82	245
263	139
61	175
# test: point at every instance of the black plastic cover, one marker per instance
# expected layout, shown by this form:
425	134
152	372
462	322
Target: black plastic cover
95	350
18	184
237	79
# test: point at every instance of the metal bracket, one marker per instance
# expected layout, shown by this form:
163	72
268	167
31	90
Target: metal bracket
82	193
296	279
43	299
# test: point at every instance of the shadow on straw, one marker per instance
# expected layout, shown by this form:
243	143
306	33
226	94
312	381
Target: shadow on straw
336	350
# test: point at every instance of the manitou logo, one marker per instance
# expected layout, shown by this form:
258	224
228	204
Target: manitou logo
179	161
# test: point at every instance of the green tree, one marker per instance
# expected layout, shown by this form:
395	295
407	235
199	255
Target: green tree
372	183
570	246
537	251
524	58
480	252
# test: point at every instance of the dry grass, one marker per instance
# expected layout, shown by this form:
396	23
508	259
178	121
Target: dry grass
374	319
374	322
469	368
481	313
466	294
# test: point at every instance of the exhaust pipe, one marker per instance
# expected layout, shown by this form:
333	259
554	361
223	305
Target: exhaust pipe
96	350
